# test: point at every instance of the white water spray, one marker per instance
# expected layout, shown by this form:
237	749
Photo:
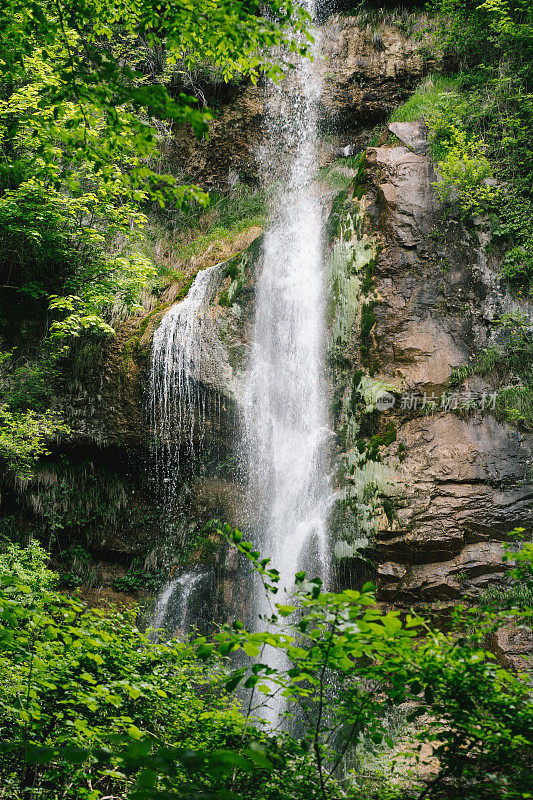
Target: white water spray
172	609
177	413
177	401
285	409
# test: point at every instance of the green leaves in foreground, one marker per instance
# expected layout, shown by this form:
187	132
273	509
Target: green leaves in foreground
94	91
90	706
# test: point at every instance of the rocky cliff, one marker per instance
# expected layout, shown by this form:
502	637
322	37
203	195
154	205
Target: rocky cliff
366	74
454	480
427	486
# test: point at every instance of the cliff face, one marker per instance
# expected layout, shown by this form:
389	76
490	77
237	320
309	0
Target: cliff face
458	480
365	76
426	493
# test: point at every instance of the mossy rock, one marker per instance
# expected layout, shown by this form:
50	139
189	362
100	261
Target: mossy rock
387	437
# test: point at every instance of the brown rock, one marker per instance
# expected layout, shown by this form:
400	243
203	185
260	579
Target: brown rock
513	647
363	83
462	482
414	135
361	86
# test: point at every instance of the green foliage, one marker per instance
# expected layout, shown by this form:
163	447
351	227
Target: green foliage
515	405
28	565
92	79
89	96
368	321
92	707
174	237
79	567
516	595
137	577
435	100
201	542
23	438
514	227
344	660
506	598
387	437
72	498
464	172
66	241
480	119
28	383
73	679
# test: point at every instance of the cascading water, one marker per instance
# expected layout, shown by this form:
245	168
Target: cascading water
177	407
173	609
177	402
285	406
286	409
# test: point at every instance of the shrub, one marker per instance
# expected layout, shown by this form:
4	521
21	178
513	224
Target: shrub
29	566
23	438
464	174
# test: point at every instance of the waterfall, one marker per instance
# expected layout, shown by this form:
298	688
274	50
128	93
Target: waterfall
177	406
177	400
285	403
172	609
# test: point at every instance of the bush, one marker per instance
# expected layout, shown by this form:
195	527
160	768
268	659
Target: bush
489	102
23	438
91	706
29	566
464	174
76	678
509	359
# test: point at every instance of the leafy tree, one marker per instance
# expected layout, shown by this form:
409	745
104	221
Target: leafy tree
84	680
92	100
80	122
91	706
82	116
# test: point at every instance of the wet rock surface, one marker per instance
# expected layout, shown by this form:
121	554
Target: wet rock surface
462	479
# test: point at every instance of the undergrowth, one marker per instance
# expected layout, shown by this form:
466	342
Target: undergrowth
175	237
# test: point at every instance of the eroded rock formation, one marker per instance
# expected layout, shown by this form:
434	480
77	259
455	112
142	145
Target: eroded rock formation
365	76
459	479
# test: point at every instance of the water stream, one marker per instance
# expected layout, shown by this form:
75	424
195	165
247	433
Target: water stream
285	398
177	407
173	606
285	405
177	402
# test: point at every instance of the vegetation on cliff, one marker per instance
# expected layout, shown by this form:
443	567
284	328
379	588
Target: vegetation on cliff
92	706
90	96
480	116
479	113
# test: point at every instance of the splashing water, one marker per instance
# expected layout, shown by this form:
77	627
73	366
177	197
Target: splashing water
172	609
285	408
177	402
177	409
